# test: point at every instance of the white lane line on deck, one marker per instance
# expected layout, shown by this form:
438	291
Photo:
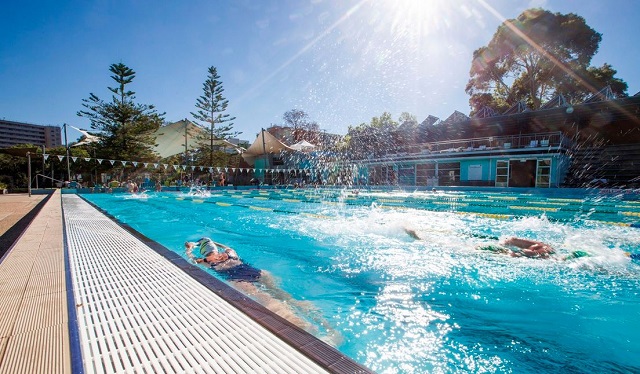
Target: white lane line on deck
137	312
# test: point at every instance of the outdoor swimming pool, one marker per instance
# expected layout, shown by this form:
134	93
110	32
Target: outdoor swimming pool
435	304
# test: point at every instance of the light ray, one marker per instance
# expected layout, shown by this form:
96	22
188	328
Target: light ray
303	50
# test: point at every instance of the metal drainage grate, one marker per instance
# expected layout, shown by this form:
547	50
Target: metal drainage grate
137	312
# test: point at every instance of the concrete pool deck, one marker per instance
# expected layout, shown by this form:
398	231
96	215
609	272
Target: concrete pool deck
128	318
34	328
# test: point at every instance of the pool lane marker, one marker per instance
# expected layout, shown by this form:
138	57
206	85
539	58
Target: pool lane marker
410	201
544	209
260	208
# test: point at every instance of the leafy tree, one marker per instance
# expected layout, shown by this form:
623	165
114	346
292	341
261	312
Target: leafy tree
372	140
407	118
408	133
303	128
533	58
599	77
125	126
211	107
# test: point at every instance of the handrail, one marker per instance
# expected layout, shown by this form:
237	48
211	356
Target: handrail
46	176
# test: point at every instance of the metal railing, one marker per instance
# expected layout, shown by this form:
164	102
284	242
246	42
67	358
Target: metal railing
555	140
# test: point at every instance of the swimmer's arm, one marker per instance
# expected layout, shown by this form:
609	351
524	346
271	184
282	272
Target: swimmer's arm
518	242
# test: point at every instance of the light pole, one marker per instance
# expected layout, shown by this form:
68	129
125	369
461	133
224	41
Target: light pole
29	172
67	146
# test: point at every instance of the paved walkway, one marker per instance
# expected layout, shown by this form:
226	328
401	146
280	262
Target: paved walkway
34	331
13	209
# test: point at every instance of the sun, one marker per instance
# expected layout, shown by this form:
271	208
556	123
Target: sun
415	19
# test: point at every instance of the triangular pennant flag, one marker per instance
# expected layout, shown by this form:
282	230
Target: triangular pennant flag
87	159
155	166
135	163
201	168
165	166
233	169
210	170
60	158
226	170
184	167
193	168
175	167
146	164
46	157
100	161
74	159
112	161
218	169
124	163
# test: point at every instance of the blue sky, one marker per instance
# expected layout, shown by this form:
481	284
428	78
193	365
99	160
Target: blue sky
341	61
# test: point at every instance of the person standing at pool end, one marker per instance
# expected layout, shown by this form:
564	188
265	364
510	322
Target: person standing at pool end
259	284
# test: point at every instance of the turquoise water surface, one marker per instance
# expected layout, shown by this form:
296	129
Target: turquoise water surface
433	304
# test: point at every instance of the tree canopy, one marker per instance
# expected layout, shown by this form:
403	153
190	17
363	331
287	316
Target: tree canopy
303	127
125	127
535	57
211	114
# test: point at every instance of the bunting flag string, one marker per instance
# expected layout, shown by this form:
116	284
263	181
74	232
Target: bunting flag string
211	169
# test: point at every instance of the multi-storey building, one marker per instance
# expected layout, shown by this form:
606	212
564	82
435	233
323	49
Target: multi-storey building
12	133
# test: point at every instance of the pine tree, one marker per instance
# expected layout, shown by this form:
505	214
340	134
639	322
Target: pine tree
211	107
125	127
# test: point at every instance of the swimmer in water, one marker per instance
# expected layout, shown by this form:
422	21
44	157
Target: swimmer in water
259	284
518	247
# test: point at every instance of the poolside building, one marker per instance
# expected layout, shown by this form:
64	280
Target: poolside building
595	143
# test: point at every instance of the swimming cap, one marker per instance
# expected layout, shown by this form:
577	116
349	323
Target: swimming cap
207	246
578	254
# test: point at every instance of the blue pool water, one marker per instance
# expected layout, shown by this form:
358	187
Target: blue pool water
436	304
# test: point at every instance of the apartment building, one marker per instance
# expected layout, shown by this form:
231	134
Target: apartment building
12	133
